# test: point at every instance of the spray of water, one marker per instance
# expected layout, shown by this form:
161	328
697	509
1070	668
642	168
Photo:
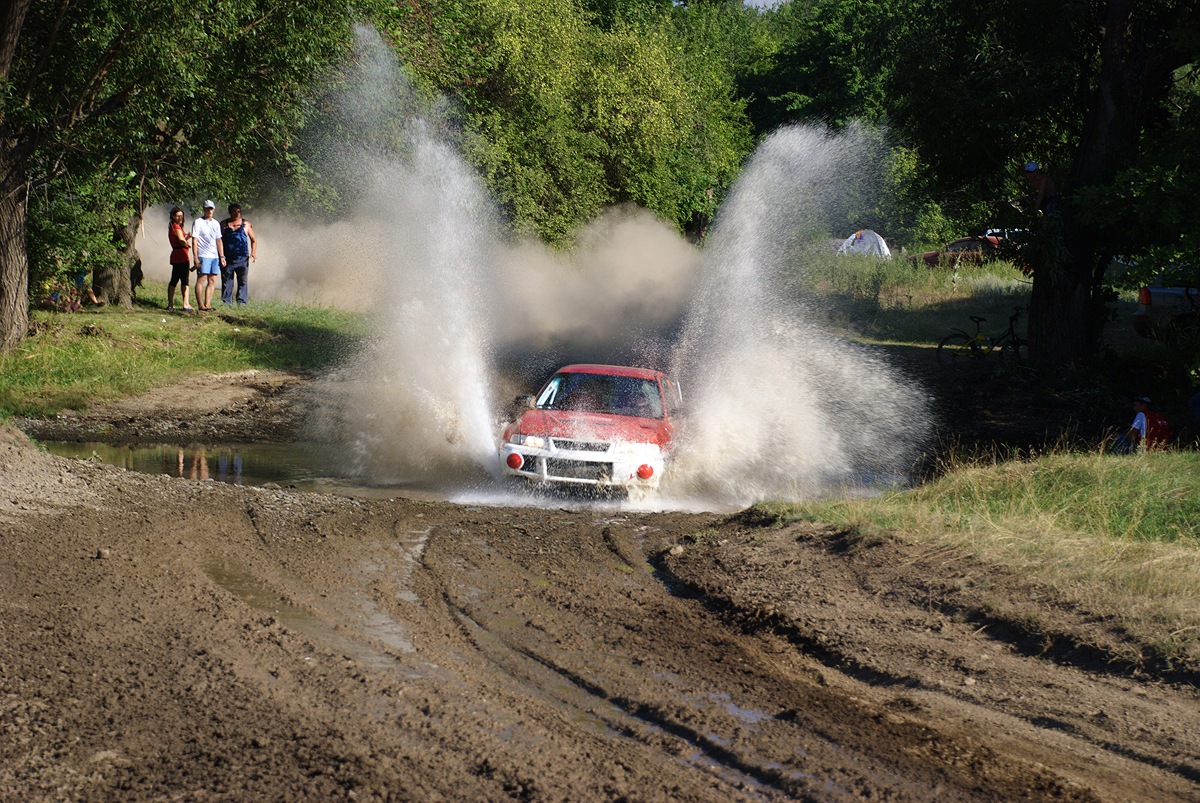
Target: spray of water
414	403
466	318
779	408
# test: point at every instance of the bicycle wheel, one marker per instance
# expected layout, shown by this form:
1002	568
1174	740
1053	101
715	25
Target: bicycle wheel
1015	349
958	348
1185	329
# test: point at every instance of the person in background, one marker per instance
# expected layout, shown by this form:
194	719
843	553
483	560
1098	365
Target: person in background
180	257
208	253
241	247
83	287
1149	430
1043	193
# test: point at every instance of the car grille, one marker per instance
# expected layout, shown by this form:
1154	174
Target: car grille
578	470
580	446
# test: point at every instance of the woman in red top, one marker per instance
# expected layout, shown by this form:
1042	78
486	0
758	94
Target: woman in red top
180	258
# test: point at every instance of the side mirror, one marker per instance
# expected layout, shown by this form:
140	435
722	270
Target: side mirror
522	403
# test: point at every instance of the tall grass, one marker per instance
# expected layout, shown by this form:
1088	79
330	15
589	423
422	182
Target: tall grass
903	300
75	359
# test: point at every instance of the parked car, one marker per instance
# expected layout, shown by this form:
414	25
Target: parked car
965	249
598	426
1168	312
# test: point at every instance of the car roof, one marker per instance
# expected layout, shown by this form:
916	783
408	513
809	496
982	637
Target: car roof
610	370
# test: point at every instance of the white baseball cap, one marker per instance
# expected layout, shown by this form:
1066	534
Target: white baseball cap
209	205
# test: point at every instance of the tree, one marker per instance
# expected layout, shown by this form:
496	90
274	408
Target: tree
572	107
1080	85
164	97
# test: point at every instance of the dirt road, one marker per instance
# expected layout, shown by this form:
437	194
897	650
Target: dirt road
170	639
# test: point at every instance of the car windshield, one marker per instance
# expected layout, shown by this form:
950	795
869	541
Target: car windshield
601	393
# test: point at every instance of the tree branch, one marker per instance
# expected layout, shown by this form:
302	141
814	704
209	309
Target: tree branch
47	46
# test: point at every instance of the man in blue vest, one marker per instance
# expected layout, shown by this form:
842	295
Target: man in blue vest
241	247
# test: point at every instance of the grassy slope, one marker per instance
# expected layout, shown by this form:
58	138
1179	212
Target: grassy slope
75	359
1117	535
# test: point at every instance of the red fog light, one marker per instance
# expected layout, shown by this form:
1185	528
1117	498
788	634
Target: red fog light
645	472
515	461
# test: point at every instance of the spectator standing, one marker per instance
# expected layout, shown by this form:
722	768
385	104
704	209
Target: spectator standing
241	247
208	254
180	258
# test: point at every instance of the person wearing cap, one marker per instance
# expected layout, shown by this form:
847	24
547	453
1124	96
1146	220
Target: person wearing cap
208	254
1149	430
241	246
1042	189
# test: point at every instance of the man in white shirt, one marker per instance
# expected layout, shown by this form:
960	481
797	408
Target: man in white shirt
208	254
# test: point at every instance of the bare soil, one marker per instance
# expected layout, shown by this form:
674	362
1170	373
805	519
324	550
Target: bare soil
171	639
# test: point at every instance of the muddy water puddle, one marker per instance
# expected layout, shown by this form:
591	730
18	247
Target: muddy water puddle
262	597
316	468
305	467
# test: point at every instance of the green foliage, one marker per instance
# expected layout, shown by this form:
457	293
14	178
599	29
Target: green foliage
571	108
1148	209
142	101
69	228
984	88
909	214
832	69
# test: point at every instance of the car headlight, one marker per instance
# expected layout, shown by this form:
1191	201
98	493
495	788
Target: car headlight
532	441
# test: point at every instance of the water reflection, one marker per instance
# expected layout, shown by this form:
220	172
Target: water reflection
236	464
303	466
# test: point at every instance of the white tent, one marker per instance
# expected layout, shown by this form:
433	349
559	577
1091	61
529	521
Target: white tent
865	241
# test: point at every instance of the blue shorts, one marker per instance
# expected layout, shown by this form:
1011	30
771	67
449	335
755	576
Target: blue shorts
210	266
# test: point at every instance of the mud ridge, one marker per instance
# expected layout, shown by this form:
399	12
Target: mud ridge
1066	646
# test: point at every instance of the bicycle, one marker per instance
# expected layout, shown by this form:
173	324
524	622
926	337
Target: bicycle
961	348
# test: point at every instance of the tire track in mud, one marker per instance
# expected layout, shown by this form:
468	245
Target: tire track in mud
621	716
666	663
880	632
549	660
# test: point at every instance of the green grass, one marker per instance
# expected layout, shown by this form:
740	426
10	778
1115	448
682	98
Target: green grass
76	359
1151	497
905	302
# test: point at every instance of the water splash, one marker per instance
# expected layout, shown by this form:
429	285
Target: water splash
414	403
779	408
466	317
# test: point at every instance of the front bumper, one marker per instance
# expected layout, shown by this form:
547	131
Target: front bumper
586	463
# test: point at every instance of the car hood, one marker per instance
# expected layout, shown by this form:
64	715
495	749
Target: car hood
593	426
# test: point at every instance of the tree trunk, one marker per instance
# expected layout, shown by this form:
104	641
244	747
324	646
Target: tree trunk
114	284
14	259
1058	318
1065	315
